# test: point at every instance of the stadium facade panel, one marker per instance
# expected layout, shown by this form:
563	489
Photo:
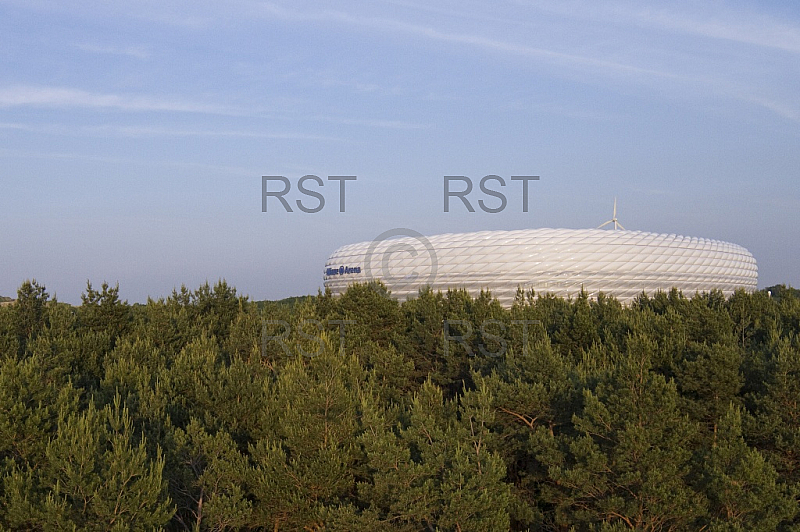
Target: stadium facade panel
558	261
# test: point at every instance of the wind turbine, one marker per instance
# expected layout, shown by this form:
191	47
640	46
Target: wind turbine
613	219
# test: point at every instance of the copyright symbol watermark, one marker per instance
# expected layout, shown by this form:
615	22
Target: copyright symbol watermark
403	259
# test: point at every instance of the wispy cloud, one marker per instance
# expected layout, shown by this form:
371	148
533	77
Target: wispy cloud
780	108
473	40
67	97
60	97
133	131
387	124
126	161
687	71
697	19
154	131
150	131
741	27
130	51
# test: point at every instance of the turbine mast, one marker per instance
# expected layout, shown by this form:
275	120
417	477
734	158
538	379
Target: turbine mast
613	219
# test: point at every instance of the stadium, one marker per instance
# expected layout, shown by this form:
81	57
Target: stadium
558	261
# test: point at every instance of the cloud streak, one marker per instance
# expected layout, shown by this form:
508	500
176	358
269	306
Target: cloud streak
17	96
130	51
149	131
695	19
692	71
475	41
757	30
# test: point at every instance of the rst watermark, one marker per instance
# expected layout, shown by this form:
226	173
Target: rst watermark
267	191
467	189
269	327
494	336
275	187
495	331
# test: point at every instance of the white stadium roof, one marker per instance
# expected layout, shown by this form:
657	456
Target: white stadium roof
558	261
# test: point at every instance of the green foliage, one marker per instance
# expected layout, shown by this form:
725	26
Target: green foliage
629	461
207	480
204	411
9	341
709	379
436	470
30	402
103	311
306	453
742	486
31	311
776	427
94	476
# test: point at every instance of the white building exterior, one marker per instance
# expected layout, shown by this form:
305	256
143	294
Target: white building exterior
558	261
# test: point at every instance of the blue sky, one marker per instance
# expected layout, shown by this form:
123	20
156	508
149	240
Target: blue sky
133	135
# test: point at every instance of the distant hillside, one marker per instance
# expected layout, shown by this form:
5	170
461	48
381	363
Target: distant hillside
779	291
5	300
290	302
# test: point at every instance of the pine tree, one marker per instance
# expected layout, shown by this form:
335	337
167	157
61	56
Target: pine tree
742	486
306	450
209	479
214	309
580	330
530	391
424	317
9	341
437	471
202	384
30	400
103	311
31	312
776	427
95	477
709	379
629	460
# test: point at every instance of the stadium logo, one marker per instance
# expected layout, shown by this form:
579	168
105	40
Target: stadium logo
342	270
